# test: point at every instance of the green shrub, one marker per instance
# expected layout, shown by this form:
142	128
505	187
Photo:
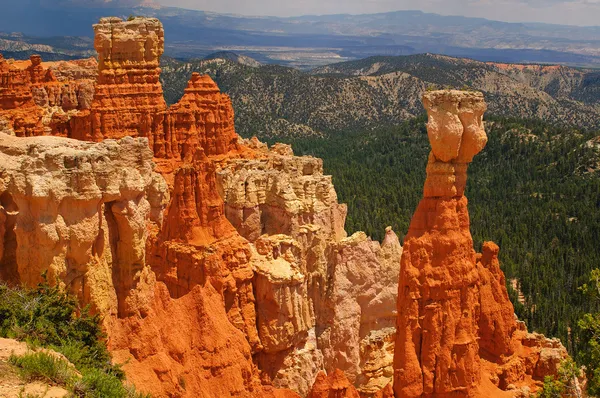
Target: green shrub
48	317
97	384
45	367
563	385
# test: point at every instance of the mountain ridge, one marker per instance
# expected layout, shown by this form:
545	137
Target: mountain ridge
273	100
308	41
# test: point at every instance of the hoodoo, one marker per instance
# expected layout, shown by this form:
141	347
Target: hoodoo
456	330
128	97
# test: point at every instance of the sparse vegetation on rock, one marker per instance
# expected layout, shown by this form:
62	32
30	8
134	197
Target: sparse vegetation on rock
47	317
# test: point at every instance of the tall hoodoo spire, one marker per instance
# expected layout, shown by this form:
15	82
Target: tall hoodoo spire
457	334
439	292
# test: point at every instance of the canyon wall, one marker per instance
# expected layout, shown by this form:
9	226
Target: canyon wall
457	334
221	266
78	212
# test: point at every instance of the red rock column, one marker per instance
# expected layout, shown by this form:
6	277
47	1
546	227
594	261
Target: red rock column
437	351
128	97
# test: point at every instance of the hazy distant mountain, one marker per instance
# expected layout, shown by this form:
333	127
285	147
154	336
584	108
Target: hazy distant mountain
233	57
317	40
20	46
273	100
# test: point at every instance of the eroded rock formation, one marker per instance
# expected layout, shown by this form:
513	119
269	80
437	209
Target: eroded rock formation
78	212
128	97
456	330
33	101
323	301
333	385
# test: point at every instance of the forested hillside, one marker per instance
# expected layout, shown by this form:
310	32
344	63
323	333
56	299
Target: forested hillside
534	190
276	101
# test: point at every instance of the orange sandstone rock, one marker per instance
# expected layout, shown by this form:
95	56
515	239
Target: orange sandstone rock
79	212
15	91
456	330
128	98
34	102
203	118
333	385
188	348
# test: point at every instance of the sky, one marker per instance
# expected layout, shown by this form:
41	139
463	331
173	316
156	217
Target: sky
563	12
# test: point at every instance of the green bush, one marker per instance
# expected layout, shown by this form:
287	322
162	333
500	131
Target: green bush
563	385
46	316
97	384
45	367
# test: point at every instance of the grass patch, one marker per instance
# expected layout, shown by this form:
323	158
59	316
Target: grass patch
97	384
44	367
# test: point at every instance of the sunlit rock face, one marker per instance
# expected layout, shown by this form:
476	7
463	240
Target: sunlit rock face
40	98
456	329
128	98
324	300
78	212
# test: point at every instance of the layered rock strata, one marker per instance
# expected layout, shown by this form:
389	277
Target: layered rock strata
33	101
18	112
128	98
318	305
456	330
78	213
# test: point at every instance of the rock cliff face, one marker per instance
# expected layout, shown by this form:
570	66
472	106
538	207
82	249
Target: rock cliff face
456	329
33	101
17	109
323	301
78	212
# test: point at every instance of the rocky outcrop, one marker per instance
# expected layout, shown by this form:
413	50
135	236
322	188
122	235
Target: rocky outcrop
456	330
78	212
18	112
14	86
128	97
333	385
203	118
318	305
357	317
33	101
203	356
78	69
279	193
